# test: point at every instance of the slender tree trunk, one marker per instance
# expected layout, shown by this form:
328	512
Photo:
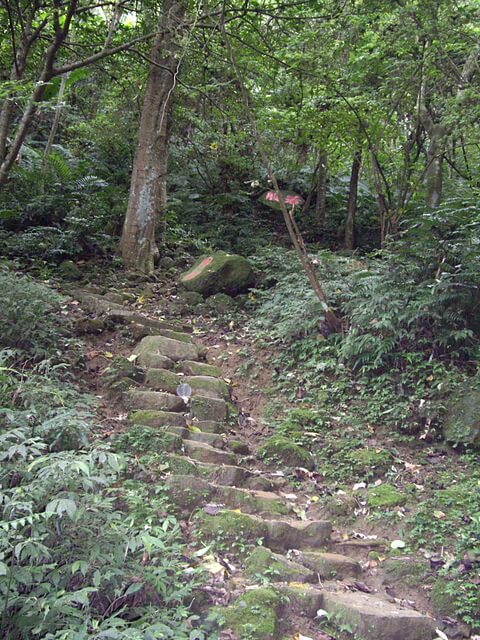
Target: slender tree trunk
47	73
320	205
434	168
148	190
382	202
352	201
332	323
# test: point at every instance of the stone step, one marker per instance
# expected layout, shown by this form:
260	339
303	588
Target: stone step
329	565
192	368
155	401
150	418
370	618
212	439
208	386
175	350
227	475
205	453
211	409
162	380
190	492
168	381
278	535
263	562
210	426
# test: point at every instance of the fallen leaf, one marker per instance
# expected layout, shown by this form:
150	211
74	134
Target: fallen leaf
441	635
439	514
397	544
358	486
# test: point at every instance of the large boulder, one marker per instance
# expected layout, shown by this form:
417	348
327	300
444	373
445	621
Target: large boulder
462	422
219	272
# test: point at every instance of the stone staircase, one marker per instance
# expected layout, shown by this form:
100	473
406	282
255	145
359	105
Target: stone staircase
233	504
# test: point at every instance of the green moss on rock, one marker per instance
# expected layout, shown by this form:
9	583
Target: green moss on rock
254	616
279	449
443	602
462	423
263	562
385	495
230	528
192	368
219	272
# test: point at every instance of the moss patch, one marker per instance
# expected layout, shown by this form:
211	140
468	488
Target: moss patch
279	449
263	562
254	616
385	496
230	528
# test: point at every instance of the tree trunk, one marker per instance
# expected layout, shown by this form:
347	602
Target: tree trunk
382	201
320	205
148	191
434	168
352	201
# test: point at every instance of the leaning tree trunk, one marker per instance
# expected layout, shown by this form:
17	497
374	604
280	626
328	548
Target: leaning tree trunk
352	201
148	191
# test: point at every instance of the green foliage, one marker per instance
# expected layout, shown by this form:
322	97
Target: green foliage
83	553
422	296
30	316
436	526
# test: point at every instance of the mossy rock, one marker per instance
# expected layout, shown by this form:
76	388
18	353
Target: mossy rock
69	270
239	447
219	272
462	422
369	461
263	562
162	380
170	348
282	450
443	602
150	418
221	304
230	528
208	386
192	368
204	408
188	492
409	571
385	495
254	616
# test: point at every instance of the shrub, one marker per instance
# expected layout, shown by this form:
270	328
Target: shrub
30	317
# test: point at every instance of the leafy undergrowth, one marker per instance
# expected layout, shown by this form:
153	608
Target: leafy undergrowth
84	551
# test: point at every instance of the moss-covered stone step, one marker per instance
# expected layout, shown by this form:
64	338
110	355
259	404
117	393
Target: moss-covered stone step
155	401
234	528
370	618
175	350
192	368
227	475
264	563
176	335
205	453
254	615
208	386
329	565
189	492
165	380
212	409
211	426
297	534
162	380
150	418
214	440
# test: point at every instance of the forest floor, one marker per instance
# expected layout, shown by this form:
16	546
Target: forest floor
375	533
